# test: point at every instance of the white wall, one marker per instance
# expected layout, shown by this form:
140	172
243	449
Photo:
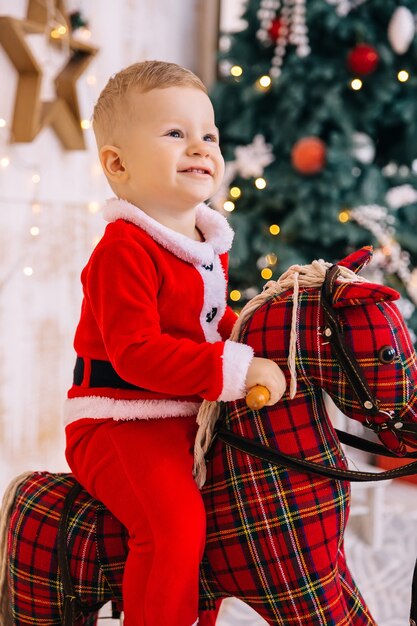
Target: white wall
38	313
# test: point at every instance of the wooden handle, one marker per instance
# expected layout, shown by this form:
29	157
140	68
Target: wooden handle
257	397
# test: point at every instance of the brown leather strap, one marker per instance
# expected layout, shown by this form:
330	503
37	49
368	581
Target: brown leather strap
275	457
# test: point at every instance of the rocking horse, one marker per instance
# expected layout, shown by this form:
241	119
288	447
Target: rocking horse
275	479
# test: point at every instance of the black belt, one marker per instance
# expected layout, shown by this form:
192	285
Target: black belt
102	374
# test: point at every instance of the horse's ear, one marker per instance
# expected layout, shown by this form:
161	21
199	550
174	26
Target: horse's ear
359	294
357	260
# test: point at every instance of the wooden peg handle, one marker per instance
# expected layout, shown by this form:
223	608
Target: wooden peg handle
257	397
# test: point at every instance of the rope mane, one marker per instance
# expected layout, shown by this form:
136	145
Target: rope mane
296	277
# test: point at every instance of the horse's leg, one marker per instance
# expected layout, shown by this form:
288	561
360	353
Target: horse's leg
6	510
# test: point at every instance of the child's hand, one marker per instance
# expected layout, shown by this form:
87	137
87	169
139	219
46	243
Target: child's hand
267	373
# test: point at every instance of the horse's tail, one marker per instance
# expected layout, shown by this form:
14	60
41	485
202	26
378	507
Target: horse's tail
6	510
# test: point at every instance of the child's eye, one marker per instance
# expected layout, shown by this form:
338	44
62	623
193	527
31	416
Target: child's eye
175	133
210	137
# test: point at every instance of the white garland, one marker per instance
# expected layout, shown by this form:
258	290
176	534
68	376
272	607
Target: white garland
344	7
390	256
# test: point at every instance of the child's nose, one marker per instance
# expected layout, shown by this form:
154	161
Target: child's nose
198	146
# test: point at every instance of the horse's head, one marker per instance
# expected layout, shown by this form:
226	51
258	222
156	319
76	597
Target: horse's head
373	380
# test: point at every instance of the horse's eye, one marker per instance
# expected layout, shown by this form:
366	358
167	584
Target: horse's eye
387	354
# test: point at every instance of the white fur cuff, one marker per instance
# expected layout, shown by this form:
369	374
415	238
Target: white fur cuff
100	407
236	360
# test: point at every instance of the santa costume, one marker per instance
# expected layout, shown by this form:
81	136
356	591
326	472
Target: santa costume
151	343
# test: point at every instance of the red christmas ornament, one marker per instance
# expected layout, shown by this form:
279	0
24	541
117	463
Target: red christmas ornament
363	59
308	155
276	28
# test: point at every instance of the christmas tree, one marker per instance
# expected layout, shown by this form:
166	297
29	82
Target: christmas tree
317	109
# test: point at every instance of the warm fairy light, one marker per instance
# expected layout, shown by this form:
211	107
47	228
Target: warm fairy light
272	258
266	273
5	161
93	207
263	83
36	207
85	124
229	206
235	295
28	271
274	229
403	76
260	183
34	231
235	192
91	79
95	240
84	33
343	217
3	122
36	179
60	31
236	70
356	84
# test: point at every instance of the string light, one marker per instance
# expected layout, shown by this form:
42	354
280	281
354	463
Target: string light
272	258
403	76
229	206
264	83
93	207
36	207
59	31
3	122
28	271
235	295
344	217
34	231
235	192
91	79
274	229
260	183
266	273
5	161
85	124
356	84
236	71
36	179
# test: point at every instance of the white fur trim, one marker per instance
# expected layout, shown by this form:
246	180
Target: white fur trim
100	407
236	360
216	231
214	298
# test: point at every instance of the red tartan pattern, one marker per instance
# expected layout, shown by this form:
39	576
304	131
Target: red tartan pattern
96	567
275	536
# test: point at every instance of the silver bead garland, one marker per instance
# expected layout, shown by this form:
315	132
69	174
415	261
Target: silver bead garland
293	29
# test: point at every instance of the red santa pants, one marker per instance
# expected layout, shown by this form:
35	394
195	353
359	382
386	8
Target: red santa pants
142	471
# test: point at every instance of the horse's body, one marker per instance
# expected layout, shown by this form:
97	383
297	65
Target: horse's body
275	536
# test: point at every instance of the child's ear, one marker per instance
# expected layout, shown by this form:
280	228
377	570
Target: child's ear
112	163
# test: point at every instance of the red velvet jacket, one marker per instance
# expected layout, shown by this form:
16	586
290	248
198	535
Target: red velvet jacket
155	308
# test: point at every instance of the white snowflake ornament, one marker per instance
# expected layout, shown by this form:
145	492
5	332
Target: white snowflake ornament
252	159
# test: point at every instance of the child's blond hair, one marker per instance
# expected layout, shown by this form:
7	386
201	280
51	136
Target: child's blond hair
112	106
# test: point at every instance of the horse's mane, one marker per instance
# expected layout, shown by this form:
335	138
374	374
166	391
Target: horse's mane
296	277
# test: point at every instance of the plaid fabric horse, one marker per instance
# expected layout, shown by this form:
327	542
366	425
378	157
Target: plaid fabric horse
275	536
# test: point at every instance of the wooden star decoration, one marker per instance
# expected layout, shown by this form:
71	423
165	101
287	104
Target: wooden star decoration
31	114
